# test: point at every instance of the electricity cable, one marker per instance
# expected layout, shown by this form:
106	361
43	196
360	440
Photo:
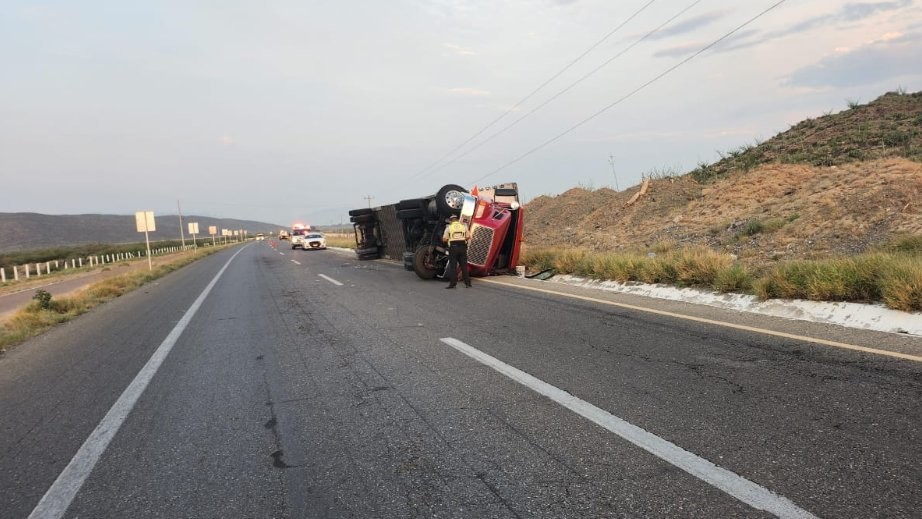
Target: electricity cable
570	87
631	93
535	91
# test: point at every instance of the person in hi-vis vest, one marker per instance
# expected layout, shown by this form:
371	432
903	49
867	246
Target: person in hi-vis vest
457	235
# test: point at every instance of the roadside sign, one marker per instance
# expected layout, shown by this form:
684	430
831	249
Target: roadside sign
193	227
145	221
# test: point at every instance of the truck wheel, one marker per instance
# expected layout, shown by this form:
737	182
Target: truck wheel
369	253
422	263
359	212
362	218
449	200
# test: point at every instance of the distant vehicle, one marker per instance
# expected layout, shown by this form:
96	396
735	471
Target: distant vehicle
298	231
260	236
283	234
411	230
314	240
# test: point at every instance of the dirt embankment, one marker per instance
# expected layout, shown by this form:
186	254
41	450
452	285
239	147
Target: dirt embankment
770	212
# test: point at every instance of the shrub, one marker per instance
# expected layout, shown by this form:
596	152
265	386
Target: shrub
735	278
663	246
841	279
901	285
773	224
752	227
906	244
572	261
703	173
698	265
42	299
618	267
539	259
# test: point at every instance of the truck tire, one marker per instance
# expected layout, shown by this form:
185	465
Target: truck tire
359	212
449	199
422	263
362	218
368	254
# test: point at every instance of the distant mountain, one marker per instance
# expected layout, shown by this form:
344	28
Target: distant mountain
30	231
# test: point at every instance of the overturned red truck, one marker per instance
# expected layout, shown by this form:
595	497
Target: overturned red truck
411	230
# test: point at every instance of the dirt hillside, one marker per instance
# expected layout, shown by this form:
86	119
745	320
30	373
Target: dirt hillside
785	198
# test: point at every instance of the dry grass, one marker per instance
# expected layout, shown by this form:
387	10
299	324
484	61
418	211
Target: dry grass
894	279
341	240
40	315
901	284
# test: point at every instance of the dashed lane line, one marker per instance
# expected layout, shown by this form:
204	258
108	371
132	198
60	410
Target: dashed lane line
729	482
331	280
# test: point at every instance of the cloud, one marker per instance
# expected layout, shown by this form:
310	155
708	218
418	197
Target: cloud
687	26
459	50
848	13
876	61
852	12
678	51
733	42
472	92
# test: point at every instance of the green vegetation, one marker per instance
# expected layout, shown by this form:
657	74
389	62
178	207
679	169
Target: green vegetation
893	277
856	134
93	249
45	311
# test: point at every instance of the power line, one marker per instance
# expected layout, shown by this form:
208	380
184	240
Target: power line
529	96
572	85
631	93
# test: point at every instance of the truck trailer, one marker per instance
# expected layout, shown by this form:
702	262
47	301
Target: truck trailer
411	230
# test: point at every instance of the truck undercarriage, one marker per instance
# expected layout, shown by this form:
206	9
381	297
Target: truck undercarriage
411	230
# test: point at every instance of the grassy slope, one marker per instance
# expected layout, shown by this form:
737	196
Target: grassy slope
837	192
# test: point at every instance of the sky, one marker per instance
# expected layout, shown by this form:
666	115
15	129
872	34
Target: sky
290	111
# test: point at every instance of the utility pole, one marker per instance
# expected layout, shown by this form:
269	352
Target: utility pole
611	162
369	197
182	235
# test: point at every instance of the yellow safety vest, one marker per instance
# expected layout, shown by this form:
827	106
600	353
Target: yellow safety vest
457	231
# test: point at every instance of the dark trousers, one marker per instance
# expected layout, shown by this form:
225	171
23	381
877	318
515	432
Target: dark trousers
457	255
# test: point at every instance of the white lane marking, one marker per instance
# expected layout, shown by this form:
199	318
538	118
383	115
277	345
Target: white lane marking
296	262
331	280
62	492
737	486
804	338
281	253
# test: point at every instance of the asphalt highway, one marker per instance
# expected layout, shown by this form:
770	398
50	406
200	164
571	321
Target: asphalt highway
275	383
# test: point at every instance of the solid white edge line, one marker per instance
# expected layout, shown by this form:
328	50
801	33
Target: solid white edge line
731	483
331	280
764	331
62	492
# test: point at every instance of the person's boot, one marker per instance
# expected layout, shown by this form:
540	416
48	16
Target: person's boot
451	286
